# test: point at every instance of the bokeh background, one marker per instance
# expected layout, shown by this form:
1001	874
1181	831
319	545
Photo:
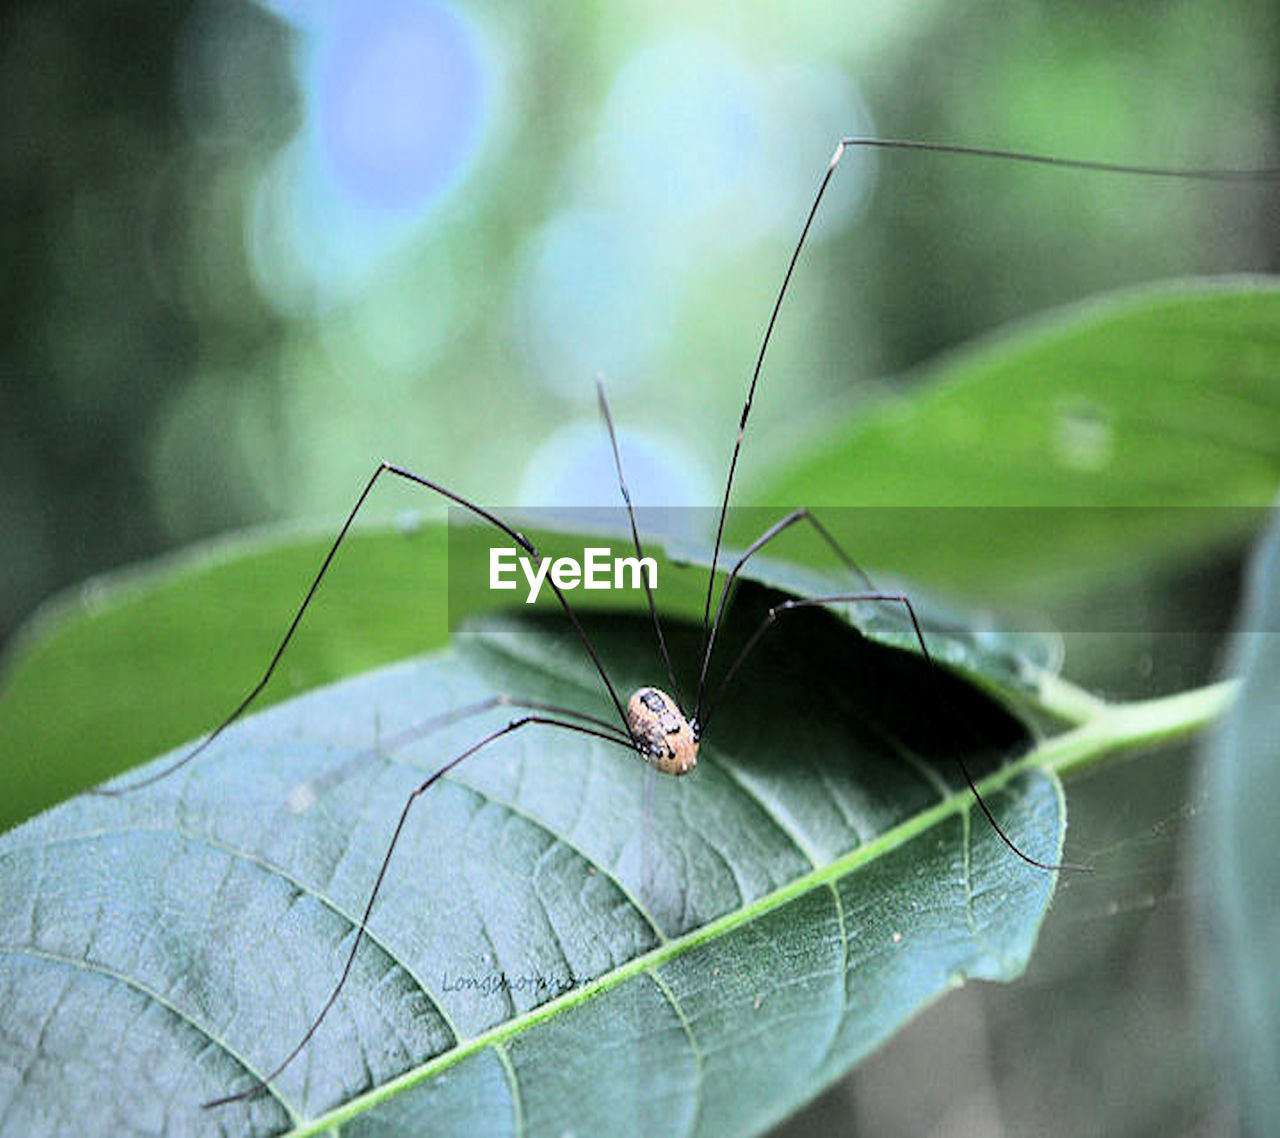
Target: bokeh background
251	248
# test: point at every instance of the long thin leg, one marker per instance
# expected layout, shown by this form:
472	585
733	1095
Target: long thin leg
635	537
893	598
1182	173
755	378
651	772
778	527
256	690
852	143
515	725
309	791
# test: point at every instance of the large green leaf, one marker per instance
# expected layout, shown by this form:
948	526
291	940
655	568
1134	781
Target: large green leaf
680	956
1239	861
1057	454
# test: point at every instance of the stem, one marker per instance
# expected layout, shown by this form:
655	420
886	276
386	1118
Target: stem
1118	728
1064	700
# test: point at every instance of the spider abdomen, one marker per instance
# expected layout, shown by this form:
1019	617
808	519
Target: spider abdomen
665	737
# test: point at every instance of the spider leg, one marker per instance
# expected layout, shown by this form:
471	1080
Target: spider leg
796	603
612	735
778	527
256	690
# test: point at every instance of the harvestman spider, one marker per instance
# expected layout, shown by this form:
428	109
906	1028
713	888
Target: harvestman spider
652	723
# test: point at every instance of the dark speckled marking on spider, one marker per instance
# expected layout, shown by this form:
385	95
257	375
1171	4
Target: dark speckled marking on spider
668	738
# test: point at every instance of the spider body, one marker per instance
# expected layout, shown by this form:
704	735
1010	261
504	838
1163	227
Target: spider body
663	735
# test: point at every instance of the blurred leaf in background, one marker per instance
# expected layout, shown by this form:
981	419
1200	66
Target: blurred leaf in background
1239	859
252	248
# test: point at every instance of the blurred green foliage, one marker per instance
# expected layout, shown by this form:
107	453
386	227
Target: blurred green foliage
156	391
1238	856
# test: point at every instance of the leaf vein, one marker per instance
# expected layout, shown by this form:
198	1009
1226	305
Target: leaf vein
694	1046
151	994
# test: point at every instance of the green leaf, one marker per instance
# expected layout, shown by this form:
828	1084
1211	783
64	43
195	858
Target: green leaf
697	955
1093	422
1239	855
134	664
